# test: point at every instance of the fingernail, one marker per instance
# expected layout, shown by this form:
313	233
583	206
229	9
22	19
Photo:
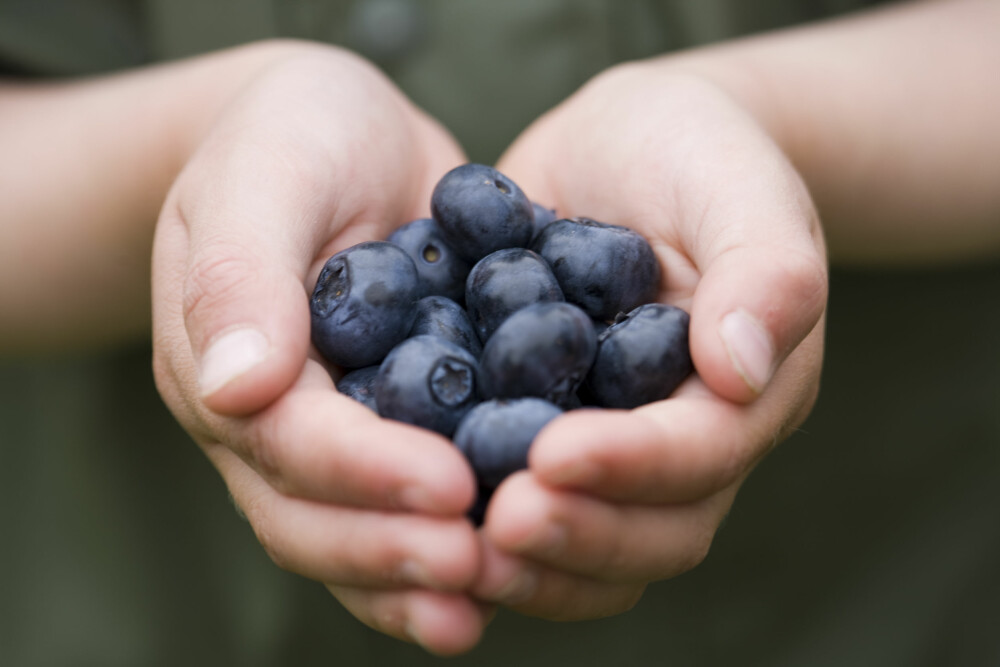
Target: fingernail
414	572
411	631
519	589
229	357
416	498
750	349
550	540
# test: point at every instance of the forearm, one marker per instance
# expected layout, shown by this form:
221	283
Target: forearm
84	170
893	119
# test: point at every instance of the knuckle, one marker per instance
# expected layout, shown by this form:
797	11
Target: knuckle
378	562
216	279
697	549
275	551
165	378
630	598
162	368
458	568
805	276
173	384
741	451
387	615
809	397
617	558
285	451
270	458
268	535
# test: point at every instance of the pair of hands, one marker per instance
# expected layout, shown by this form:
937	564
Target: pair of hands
320	152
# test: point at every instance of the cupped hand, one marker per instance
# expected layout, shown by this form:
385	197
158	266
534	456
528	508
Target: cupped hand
317	153
614	500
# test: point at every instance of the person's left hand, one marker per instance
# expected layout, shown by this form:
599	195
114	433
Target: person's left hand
613	500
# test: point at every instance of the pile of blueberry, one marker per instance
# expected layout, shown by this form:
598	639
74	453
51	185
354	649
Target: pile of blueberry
488	320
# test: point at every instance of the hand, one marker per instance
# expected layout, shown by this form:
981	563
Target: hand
613	500
316	154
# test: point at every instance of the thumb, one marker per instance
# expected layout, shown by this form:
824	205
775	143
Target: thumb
752	307
247	320
239	248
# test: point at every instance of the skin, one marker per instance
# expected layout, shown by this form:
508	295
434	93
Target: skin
725	158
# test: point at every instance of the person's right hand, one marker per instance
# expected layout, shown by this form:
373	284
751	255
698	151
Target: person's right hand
320	151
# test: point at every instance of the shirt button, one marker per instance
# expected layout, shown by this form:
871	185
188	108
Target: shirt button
386	29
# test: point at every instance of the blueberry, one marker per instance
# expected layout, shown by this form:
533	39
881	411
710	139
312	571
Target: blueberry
480	211
641	358
542	350
506	281
442	317
605	269
441	271
543	216
427	381
359	384
495	436
363	303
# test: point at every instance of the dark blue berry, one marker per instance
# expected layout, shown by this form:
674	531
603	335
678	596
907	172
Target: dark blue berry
543	216
359	384
442	317
427	381
442	272
506	281
480	211
605	269
363	303
641	358
495	436
542	350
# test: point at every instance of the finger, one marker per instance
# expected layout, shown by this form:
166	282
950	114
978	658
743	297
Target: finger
442	623
537	590
240	296
249	244
681	449
748	226
604	541
351	546
747	223
318	444
504	578
753	305
695	446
